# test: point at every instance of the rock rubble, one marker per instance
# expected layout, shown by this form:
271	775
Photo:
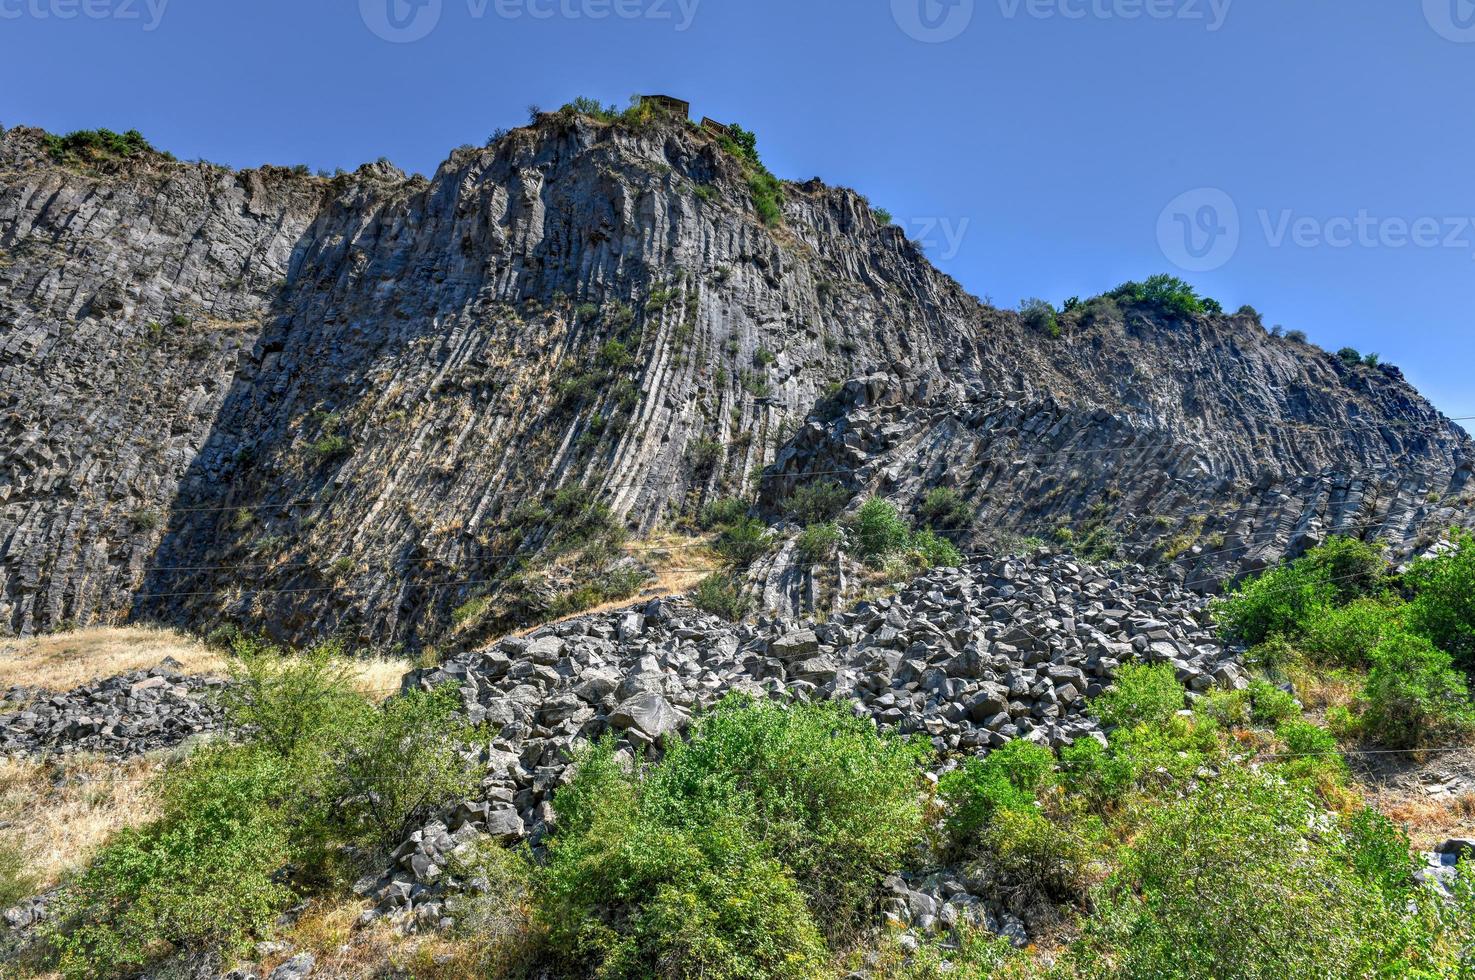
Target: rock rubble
117	717
970	657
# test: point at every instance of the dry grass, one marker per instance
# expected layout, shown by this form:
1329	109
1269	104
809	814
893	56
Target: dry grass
342	951
61	812
62	661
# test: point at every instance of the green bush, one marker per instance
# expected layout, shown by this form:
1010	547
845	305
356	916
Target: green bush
1006	779
495	925
1346	636
90	143
728	510
1140	695
1167	294
832	797
1234	881
1095	774
396	766
1278	603
721	596
1443	607
704	455
944	509
768	196
743	542
202	876
1038	315
720	860
1350	356
1413	696
1270	705
1352	568
816	503
283	701
817	543
935	551
880	530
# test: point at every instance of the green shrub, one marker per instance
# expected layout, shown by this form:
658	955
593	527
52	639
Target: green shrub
935	551
944	509
1278	603
743	542
1443	607
835	799
396	766
1006	779
1311	755
720	860
1140	695
1166	294
704	455
16	882
1038	315
1349	356
1234	881
1346	636
880	530
615	356
1092	772
727	510
92	143
202	876
721	596
1413	696
283	701
816	503
1270	705
883	217
817	543
1353	568
768	197
495	928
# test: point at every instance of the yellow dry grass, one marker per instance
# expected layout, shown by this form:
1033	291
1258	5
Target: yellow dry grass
60	812
62	661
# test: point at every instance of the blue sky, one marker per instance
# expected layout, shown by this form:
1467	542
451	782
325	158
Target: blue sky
1309	157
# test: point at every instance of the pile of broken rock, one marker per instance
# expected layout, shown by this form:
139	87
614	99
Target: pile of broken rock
118	717
971	657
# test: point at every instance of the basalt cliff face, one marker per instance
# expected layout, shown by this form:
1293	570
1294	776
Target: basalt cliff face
318	405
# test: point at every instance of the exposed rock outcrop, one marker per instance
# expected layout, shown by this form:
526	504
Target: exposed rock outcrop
317	404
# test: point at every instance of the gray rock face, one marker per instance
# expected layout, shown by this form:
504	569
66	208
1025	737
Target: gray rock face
325	405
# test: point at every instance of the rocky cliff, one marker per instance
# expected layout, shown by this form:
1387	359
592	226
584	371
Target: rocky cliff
345	403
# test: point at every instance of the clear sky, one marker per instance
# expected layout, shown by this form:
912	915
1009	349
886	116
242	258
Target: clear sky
1309	157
